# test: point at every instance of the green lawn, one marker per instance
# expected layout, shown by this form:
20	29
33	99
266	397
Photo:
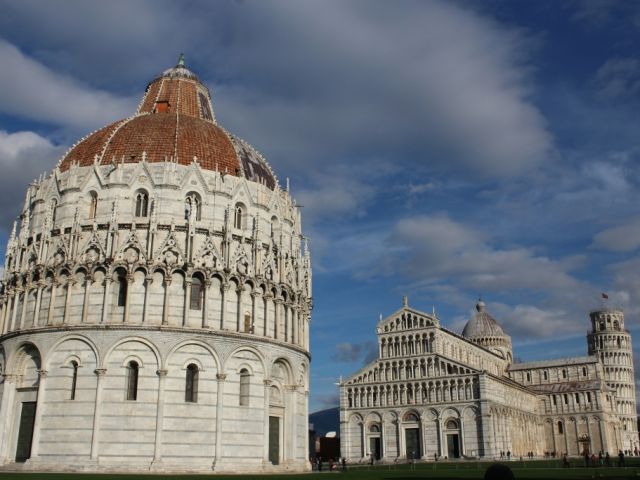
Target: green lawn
465	470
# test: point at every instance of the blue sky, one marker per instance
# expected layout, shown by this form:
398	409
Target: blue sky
440	149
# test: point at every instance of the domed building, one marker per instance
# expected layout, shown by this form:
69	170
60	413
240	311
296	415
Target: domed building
156	301
434	394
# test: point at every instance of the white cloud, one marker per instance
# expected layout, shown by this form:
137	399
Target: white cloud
30	90
621	238
23	157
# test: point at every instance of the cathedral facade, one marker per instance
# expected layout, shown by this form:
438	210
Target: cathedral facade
155	306
433	393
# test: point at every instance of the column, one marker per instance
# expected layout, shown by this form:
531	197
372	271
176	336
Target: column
423	436
223	289
37	422
165	308
127	297
238	308
205	299
187	300
23	314
253	311
276	317
363	439
14	313
401	452
6	416
148	280
67	300
290	418
5	314
157	450
266	310
462	449
440	439
577	436
105	300
220	377
602	445
100	372
85	303
36	312
589	433
265	453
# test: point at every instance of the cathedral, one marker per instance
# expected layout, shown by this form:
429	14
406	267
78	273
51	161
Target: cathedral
434	394
156	299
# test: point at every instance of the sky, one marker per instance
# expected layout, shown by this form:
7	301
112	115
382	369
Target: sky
444	150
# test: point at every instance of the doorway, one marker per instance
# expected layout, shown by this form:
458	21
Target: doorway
25	432
375	447
274	440
412	437
453	445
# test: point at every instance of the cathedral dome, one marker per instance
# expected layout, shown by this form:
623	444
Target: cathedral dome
174	122
481	324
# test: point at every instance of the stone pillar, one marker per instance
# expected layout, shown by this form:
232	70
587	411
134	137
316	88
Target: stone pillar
266	310
265	453
6	416
5	314
602	442
85	303
363	444
157	450
187	301
423	436
100	372
462	449
220	377
165	307
223	305
148	280
253	311
276	317
105	300
238	308
400	442
440	438
14	312
205	307
37	422
127	298
23	314
67	300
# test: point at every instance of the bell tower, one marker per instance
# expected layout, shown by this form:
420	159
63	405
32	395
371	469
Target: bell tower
611	343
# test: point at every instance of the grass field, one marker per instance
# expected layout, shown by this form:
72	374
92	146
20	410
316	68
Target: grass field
464	470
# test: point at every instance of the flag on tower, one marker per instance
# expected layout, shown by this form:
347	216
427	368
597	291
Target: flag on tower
605	296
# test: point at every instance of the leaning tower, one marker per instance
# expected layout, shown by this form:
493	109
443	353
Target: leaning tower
611	343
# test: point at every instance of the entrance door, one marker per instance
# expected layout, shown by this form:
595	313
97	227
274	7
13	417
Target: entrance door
274	440
25	433
412	437
453	445
375	447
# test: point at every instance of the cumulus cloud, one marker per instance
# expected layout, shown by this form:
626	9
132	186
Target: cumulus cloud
30	90
23	157
621	238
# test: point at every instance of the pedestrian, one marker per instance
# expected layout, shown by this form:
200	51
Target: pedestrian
435	457
319	464
371	459
331	464
565	461
344	464
586	459
620	458
601	458
607	460
508	454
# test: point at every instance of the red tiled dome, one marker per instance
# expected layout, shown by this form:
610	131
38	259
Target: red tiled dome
174	122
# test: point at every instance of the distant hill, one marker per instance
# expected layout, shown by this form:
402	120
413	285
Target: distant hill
325	421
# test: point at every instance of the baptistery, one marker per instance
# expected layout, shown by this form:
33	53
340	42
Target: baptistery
156	299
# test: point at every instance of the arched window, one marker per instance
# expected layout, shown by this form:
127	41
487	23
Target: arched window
245	377
74	379
374	428
93	205
195	302
560	428
193	206
545	374
238	216
564	373
584	371
132	380
452	425
191	386
122	289
616	325
274	225
142	204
